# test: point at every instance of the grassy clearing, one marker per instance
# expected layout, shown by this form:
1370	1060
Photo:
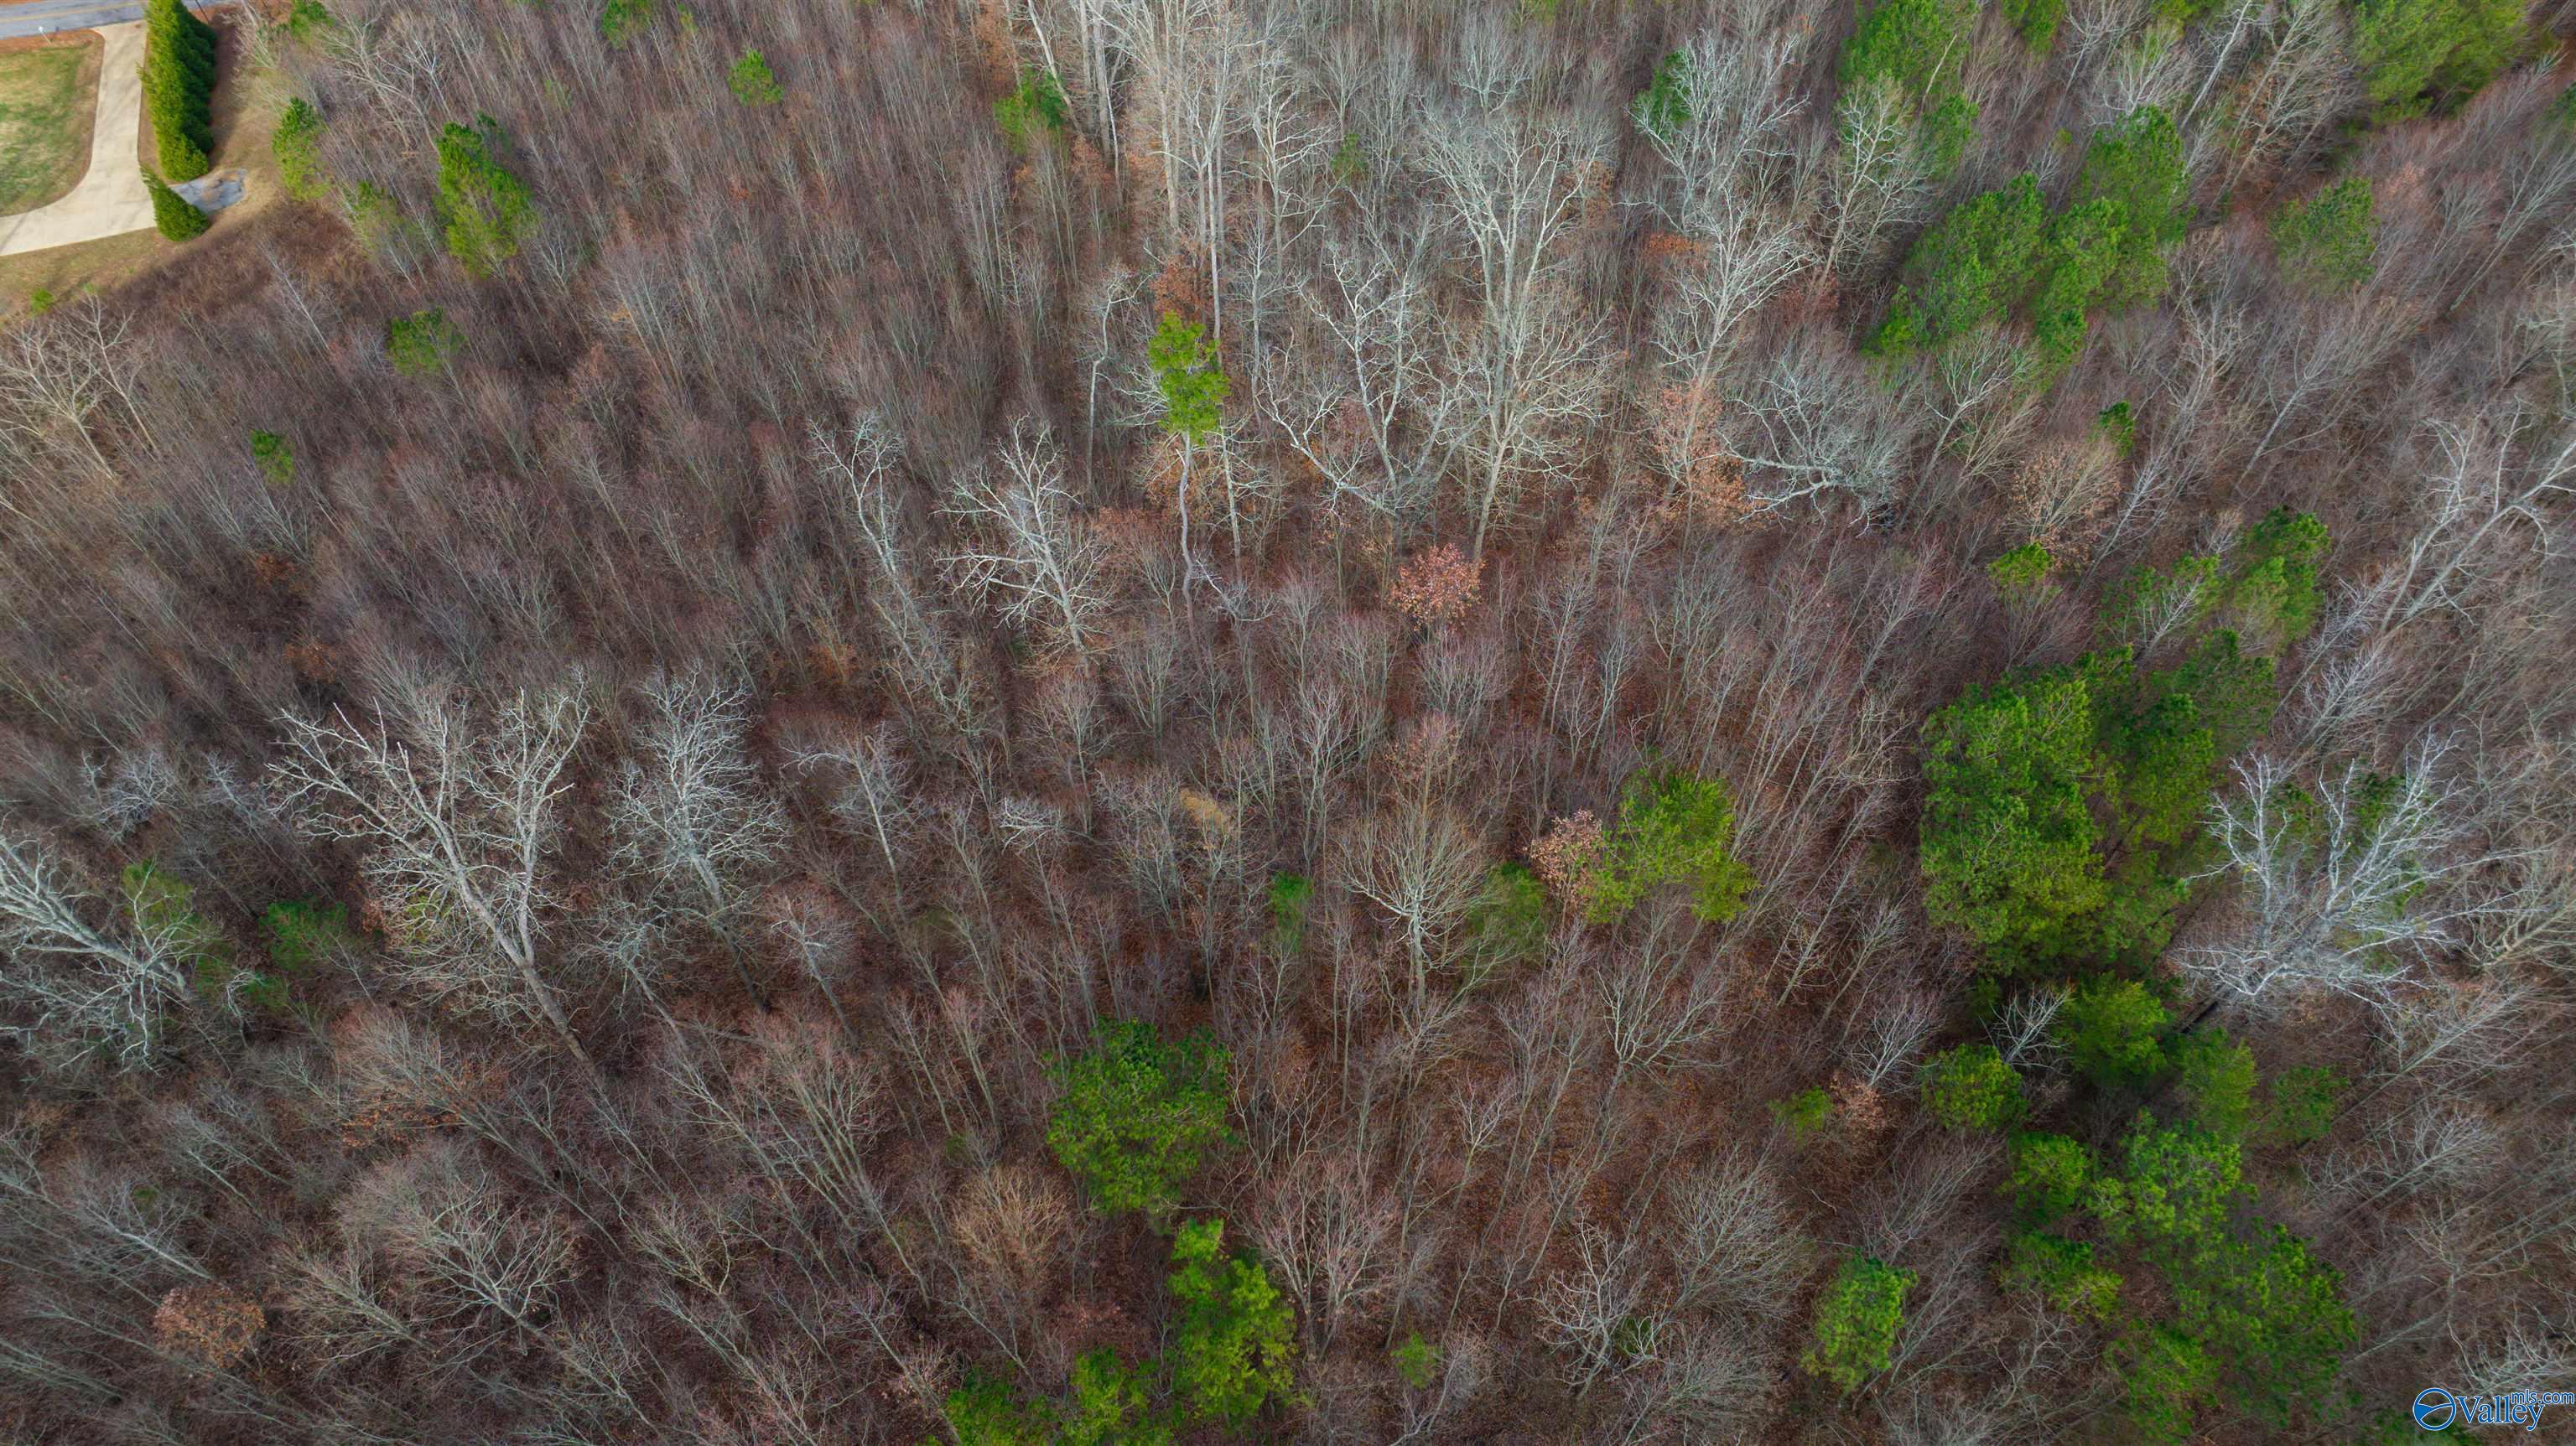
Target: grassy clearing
246	107
47	100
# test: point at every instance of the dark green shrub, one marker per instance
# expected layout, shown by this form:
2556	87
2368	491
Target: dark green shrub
2329	241
275	456
1035	107
621	20
422	343
2301	1107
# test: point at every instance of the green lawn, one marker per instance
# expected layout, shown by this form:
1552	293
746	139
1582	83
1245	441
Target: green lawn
46	101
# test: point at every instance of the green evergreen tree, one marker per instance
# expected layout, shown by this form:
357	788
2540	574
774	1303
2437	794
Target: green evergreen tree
1186	372
2216	1075
165	907
986	1411
1672	828
2328	242
1921	48
2051	1176
1969	270
484	206
2416	54
2275	1316
2111	1027
1857	1321
1971	1088
2061	1272
1507	925
752	82
622	20
1111	1406
2119	422
1234	1348
2135	165
2007	835
178	220
2021	577
2035	21
1036	107
2082	258
1663	107
309	20
2164	1377
1289	896
1137	1114
2275	587
298	144
2299	1107
1805	1112
1417	1361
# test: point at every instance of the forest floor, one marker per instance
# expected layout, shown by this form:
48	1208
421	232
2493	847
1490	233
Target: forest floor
47	90
245	124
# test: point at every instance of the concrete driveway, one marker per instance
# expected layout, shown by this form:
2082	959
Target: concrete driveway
110	199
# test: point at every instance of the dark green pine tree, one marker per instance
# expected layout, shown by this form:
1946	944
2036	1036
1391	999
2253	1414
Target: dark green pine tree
171	211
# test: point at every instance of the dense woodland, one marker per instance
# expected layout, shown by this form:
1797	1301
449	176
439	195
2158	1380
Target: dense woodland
1173	721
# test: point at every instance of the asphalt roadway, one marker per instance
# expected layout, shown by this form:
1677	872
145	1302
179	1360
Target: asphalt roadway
44	17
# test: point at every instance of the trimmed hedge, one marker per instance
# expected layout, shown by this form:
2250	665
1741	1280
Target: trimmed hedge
179	87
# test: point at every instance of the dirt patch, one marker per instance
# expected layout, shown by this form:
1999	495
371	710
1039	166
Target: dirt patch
48	103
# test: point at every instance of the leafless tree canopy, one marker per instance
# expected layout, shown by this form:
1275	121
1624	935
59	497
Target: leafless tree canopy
549	897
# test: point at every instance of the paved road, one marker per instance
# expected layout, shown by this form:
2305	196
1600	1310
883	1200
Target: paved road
43	17
110	199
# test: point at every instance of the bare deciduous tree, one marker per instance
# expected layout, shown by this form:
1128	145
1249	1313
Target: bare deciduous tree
456	811
99	978
2340	886
1033	552
691	812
